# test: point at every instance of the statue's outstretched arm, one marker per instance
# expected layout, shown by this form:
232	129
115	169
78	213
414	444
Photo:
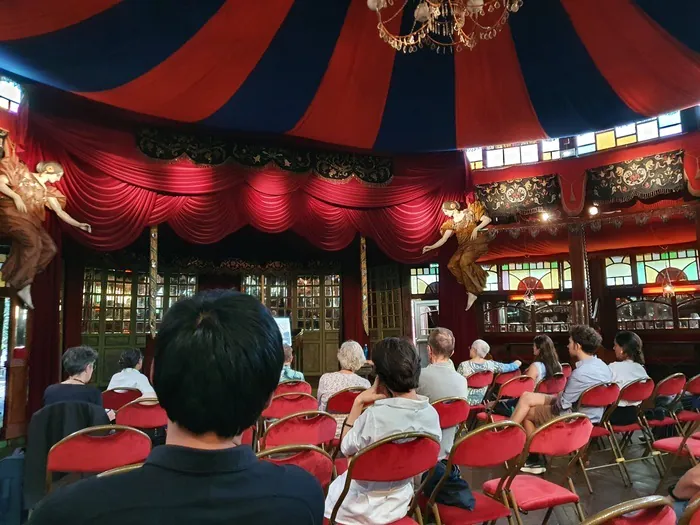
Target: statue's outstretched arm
443	240
65	217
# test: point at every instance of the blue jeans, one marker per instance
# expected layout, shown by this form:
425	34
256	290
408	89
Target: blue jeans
679	508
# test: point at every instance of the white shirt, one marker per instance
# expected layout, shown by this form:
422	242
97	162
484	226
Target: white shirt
132	378
377	503
624	372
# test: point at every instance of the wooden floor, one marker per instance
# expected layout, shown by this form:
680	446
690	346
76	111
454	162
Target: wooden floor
607	485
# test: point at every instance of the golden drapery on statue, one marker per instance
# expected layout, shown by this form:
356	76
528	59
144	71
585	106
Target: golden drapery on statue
468	225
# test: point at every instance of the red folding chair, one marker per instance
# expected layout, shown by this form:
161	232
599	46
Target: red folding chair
304	428
563	436
341	402
637	391
552	385
511	389
679	446
650	510
288	404
687	417
669	387
479	380
604	396
249	438
97	449
691	516
566	370
399	457
314	460
490	445
289	387
143	414
499	379
452	411
118	397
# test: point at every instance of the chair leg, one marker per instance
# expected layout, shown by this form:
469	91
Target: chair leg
516	510
548	515
620	459
585	476
579	512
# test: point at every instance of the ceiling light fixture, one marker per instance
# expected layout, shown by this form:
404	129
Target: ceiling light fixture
593	211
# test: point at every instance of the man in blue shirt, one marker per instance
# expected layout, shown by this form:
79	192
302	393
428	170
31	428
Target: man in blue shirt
217	361
288	374
534	410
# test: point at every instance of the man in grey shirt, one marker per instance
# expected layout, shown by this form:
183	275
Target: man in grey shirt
440	379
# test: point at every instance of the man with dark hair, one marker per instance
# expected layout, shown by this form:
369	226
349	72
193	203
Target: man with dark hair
534	410
440	379
217	361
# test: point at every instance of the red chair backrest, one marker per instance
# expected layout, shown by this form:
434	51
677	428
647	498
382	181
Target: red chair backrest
562	436
117	398
566	370
489	445
452	411
341	402
552	385
395	458
693	385
287	404
247	437
142	414
98	449
314	460
306	428
516	387
636	391
504	377
288	387
672	385
602	395
480	379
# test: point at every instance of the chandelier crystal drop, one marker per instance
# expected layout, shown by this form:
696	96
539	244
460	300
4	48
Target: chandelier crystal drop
443	25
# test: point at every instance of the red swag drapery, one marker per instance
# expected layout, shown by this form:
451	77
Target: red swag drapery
111	185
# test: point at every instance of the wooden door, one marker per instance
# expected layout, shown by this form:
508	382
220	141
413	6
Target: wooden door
385	305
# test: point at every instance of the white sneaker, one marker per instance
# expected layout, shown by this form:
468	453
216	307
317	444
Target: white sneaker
533	468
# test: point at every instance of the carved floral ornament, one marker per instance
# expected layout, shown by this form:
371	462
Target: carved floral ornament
209	150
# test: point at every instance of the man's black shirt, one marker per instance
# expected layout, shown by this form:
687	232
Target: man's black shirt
180	485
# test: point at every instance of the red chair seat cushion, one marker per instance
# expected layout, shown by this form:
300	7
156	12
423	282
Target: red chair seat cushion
665	422
599	431
483	416
341	465
477	408
686	416
621	429
671	445
658	516
534	493
402	521
486	509
335	442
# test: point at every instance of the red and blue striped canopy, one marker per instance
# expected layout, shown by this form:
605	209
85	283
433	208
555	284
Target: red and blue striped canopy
317	69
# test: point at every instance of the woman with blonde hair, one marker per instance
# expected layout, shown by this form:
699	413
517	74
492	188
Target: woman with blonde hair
351	358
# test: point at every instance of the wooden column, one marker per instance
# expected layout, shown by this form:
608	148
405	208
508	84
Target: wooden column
579	275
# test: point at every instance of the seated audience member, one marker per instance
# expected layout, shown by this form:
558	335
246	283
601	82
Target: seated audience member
79	364
546	362
437	381
440	380
629	367
396	408
218	357
287	373
131	363
534	410
478	363
687	488
351	357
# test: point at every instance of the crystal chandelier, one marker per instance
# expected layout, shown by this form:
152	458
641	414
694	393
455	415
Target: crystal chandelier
444	25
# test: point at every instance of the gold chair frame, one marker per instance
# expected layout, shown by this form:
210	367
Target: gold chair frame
647	502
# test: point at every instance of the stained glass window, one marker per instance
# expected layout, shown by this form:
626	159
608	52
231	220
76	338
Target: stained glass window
491	278
251	286
277	297
568	282
10	95
92	300
118	302
618	271
658	268
309	302
332	298
530	275
425	280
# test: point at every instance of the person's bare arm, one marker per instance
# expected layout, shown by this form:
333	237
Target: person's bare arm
532	372
65	217
442	241
689	484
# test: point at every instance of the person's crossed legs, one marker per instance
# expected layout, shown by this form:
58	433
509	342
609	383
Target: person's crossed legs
532	411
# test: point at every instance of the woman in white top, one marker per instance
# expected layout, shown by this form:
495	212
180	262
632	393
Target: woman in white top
396	408
351	358
629	367
130	363
546	362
